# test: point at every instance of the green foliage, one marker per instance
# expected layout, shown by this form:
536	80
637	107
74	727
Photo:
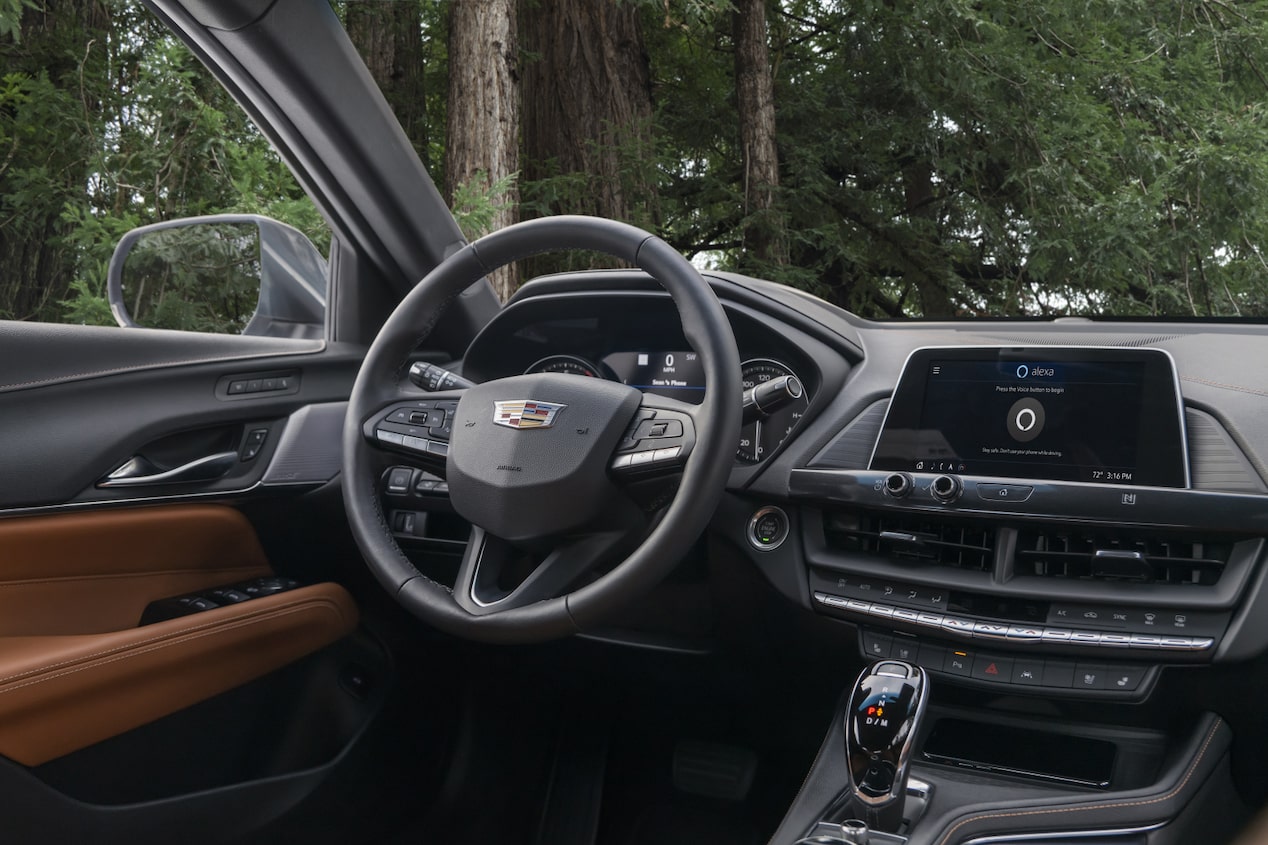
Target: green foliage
990	157
108	123
938	157
203	278
11	17
476	202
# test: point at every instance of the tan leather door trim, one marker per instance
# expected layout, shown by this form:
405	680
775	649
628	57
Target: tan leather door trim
62	693
87	573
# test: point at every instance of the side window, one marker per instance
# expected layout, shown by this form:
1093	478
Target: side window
112	133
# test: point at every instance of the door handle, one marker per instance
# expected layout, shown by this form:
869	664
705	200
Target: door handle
139	472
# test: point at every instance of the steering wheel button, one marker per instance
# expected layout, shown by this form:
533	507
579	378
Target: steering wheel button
437	447
398	480
392	437
666	454
621	461
645	457
418	444
417	417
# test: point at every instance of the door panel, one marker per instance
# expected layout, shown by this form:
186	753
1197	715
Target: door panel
60	694
91	573
64	428
85	688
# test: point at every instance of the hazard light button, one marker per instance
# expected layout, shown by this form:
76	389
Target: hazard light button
988	667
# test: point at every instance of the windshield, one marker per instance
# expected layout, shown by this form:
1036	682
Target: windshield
913	159
919	159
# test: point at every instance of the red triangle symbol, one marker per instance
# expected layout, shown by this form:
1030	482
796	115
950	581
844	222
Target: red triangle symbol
992	670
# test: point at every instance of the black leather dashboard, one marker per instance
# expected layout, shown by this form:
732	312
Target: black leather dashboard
1099	583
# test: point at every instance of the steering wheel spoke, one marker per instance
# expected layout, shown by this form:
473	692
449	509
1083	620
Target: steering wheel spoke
496	575
657	442
416	429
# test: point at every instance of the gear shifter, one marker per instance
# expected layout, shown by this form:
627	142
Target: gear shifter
885	710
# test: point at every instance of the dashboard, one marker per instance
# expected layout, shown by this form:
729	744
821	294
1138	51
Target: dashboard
1063	506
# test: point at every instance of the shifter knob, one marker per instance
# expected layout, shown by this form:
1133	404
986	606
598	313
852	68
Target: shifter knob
885	709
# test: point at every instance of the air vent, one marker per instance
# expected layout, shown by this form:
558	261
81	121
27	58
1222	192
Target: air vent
940	542
1104	556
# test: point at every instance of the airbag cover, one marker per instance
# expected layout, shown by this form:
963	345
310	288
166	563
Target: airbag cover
535	480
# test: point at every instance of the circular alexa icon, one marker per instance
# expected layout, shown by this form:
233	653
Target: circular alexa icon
1025	420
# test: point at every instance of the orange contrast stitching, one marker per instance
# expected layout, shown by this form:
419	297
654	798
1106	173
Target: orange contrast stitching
1142	803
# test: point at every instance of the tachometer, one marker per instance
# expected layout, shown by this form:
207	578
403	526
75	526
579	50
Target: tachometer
761	438
570	364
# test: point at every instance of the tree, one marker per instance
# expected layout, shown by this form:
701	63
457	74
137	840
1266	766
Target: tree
763	229
388	35
588	139
483	118
108	123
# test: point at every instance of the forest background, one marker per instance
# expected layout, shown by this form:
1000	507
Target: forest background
900	158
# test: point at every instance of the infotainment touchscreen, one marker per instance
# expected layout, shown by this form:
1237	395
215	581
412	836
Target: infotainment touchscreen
1110	416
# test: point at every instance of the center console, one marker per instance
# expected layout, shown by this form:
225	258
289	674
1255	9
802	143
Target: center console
977	777
1025	518
1026	523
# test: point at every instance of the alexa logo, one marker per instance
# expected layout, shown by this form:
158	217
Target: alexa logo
526	413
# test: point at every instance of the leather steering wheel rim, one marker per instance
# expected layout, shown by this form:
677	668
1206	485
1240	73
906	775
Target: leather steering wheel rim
384	374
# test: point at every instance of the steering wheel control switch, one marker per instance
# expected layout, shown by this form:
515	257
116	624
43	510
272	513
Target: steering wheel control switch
433	378
768	528
177	606
655	439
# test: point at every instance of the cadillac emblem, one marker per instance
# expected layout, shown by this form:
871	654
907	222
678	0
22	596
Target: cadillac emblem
526	413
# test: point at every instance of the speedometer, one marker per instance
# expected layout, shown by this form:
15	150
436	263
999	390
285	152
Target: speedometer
761	438
570	364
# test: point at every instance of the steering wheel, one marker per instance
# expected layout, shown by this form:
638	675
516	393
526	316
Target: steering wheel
542	465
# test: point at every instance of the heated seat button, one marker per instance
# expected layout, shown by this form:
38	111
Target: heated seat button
1124	678
904	648
876	645
1090	676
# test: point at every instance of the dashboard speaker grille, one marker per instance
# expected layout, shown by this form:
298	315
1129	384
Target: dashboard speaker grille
1062	553
961	545
852	448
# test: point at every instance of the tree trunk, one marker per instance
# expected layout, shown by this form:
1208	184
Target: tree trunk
763	228
388	35
924	266
588	108
483	124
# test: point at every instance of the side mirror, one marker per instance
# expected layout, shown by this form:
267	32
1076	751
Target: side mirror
226	273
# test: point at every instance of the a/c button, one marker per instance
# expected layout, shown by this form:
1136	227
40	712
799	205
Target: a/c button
1004	492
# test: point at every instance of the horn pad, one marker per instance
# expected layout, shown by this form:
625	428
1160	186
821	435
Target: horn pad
528	456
